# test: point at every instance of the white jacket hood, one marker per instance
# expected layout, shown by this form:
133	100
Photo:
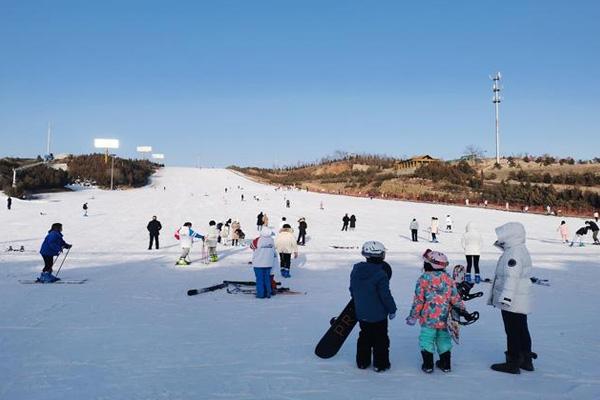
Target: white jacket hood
510	235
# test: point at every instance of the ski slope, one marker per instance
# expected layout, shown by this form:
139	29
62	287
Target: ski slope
131	332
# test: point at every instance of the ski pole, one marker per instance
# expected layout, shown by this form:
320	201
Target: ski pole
63	261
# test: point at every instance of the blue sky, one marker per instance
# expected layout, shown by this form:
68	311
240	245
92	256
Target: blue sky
276	82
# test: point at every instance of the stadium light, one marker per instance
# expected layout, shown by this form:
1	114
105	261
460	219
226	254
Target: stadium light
144	150
158	156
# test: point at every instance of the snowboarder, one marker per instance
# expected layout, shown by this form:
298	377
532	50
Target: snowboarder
581	232
448	223
85	209
154	228
352	222
435	296
264	258
594	228
471	243
259	221
52	246
9	204
302	226
564	231
434	229
370	290
345	222
414	230
235	237
212	238
286	245
511	293
186	236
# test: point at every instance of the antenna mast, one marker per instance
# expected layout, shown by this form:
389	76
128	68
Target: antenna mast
48	142
496	99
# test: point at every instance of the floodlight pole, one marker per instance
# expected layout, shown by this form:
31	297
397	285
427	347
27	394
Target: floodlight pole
112	172
48	141
496	100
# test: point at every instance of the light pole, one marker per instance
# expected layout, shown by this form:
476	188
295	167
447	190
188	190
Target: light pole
496	100
108	144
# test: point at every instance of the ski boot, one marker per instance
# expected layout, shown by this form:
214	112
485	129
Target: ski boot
22	249
511	366
182	261
427	365
214	258
477	279
468	278
444	362
47	277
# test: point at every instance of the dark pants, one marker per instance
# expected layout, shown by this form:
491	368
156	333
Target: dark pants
153	238
285	260
595	236
472	261
301	237
234	242
413	233
373	337
518	340
345	227
48	262
433	236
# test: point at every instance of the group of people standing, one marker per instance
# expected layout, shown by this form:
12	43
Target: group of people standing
348	221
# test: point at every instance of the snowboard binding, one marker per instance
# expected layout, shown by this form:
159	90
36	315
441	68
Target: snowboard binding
464	289
469	318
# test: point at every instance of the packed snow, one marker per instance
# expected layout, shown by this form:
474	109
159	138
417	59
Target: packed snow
131	332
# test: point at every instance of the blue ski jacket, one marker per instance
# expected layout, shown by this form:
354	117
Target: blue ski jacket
370	289
53	244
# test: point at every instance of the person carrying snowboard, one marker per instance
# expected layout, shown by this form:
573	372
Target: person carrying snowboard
564	231
435	295
212	238
186	236
511	293
594	228
52	246
471	243
345	222
302	227
264	258
352	222
154	228
285	243
579	234
374	304
414	230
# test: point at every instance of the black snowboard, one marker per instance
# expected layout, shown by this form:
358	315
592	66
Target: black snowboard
341	327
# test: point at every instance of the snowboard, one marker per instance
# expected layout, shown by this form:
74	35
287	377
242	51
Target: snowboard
454	322
341	326
193	292
458	275
62	281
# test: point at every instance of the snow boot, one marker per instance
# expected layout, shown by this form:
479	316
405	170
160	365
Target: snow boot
444	362
47	277
477	279
182	261
511	366
381	369
427	365
527	361
468	278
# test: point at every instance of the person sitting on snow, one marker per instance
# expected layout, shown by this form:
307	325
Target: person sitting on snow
52	246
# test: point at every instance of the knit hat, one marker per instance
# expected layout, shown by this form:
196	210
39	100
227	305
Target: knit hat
436	259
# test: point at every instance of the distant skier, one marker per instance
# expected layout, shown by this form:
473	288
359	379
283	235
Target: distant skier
434	228
352	222
286	245
85	209
448	223
264	258
471	243
564	231
302	227
511	293
594	228
581	232
9	203
283	222
414	230
186	236
212	238
435	295
259	221
374	303
287	203
154	228
52	246
321	207
242	197
596	215
234	235
345	222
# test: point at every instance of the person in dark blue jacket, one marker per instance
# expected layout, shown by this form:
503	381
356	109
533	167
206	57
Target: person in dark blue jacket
52	246
374	304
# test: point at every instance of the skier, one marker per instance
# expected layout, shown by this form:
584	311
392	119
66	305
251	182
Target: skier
154	228
235	237
265	220
212	238
186	236
52	246
471	243
596	215
414	230
285	243
564	231
242	197
352	222
264	258
85	209
287	203
435	295
448	223
594	228
434	229
259	221
345	222
370	290
321	207
581	232
511	293
302	226
9	204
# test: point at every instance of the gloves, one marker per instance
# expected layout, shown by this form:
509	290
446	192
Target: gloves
68	246
411	321
391	316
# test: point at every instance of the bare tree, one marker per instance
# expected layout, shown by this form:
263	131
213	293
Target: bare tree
473	153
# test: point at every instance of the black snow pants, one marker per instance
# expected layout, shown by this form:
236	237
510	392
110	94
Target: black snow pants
518	340
48	262
413	233
472	261
373	337
301	237
285	260
153	238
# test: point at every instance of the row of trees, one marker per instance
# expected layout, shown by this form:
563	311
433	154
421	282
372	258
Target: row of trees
571	178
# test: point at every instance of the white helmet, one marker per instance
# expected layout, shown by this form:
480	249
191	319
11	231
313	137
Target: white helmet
373	249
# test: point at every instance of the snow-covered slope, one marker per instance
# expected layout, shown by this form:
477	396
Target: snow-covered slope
131	332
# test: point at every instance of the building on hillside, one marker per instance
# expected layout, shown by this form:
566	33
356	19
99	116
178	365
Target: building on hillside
416	162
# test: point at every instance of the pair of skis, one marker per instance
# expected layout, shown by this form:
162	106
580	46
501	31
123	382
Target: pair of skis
242	287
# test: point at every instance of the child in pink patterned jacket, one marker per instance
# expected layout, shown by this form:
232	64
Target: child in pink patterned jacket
435	295
564	231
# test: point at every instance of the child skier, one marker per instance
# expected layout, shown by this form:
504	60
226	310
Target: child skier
511	293
52	246
212	238
564	231
264	258
285	243
435	295
448	223
370	290
186	236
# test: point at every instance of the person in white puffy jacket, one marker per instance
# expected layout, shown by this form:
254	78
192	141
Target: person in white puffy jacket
511	293
264	258
471	243
186	236
434	229
212	238
285	243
